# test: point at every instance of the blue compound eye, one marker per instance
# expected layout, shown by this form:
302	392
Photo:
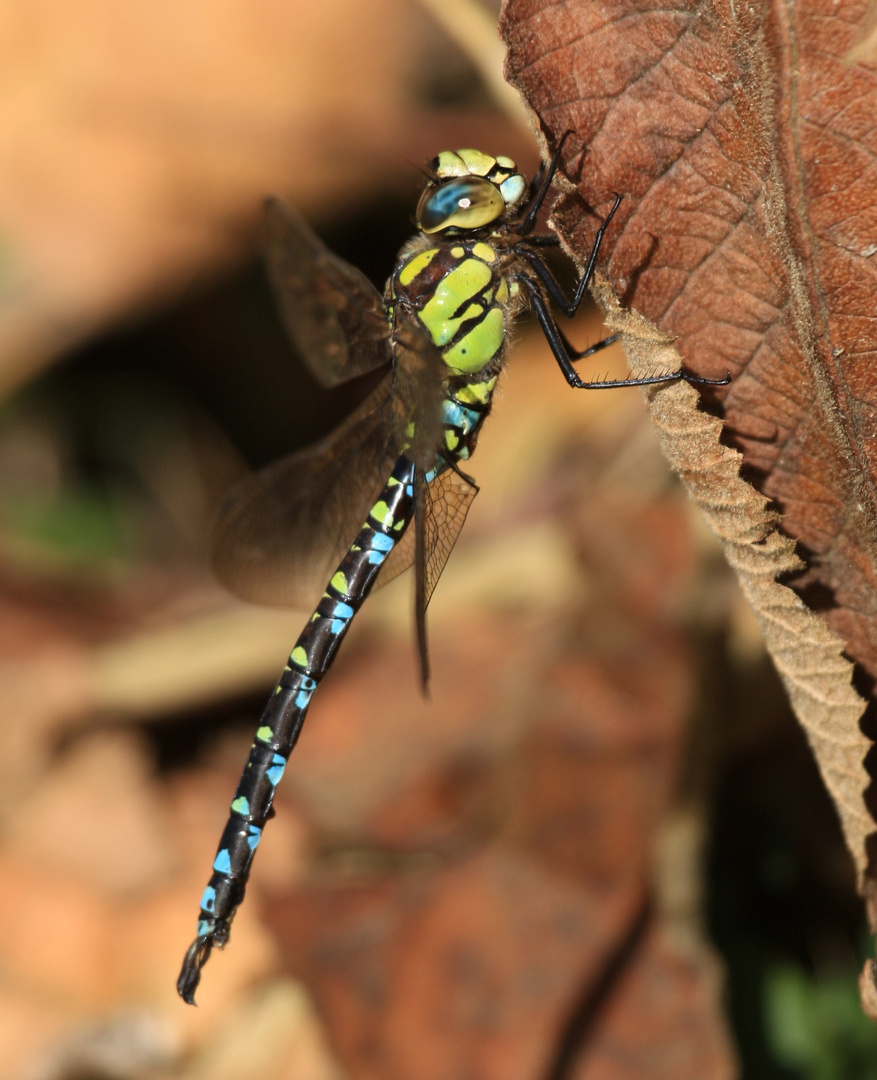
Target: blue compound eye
462	203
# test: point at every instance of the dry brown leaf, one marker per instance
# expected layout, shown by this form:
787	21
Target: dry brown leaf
743	139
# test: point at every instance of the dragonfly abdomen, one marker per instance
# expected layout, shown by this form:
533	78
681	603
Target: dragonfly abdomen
463	412
282	719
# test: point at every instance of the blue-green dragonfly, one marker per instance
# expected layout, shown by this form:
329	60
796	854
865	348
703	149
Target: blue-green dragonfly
340	512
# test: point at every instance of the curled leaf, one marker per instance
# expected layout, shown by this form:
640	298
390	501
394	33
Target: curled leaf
807	654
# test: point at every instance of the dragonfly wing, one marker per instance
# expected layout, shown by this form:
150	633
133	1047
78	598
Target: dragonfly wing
281	533
447	499
440	514
445	504
332	312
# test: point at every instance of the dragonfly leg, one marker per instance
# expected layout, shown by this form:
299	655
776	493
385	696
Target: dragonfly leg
551	240
561	351
570	306
526	224
544	240
575	354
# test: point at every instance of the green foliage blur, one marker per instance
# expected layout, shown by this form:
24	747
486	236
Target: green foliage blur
816	1026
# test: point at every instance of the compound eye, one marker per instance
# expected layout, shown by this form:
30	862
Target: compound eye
462	203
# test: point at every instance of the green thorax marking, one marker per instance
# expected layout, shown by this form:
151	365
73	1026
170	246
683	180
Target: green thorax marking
460	298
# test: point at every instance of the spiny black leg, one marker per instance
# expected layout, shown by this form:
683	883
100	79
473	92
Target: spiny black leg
543	240
525	225
550	240
558	346
555	292
701	380
580	354
577	355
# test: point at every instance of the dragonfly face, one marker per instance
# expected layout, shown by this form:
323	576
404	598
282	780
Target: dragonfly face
470	191
340	512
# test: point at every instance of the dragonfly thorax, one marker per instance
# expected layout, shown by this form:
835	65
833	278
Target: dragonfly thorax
457	291
470	190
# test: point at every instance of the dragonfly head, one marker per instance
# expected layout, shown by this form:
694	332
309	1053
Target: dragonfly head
469	190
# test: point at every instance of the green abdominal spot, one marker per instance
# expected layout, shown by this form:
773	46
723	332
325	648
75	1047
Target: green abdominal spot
480	345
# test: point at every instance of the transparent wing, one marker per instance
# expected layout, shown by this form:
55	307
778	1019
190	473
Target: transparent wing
440	511
332	312
281	533
448	499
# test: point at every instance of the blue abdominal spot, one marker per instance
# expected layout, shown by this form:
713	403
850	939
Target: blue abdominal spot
276	771
222	862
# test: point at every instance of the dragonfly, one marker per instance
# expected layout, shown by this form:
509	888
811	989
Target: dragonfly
388	488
